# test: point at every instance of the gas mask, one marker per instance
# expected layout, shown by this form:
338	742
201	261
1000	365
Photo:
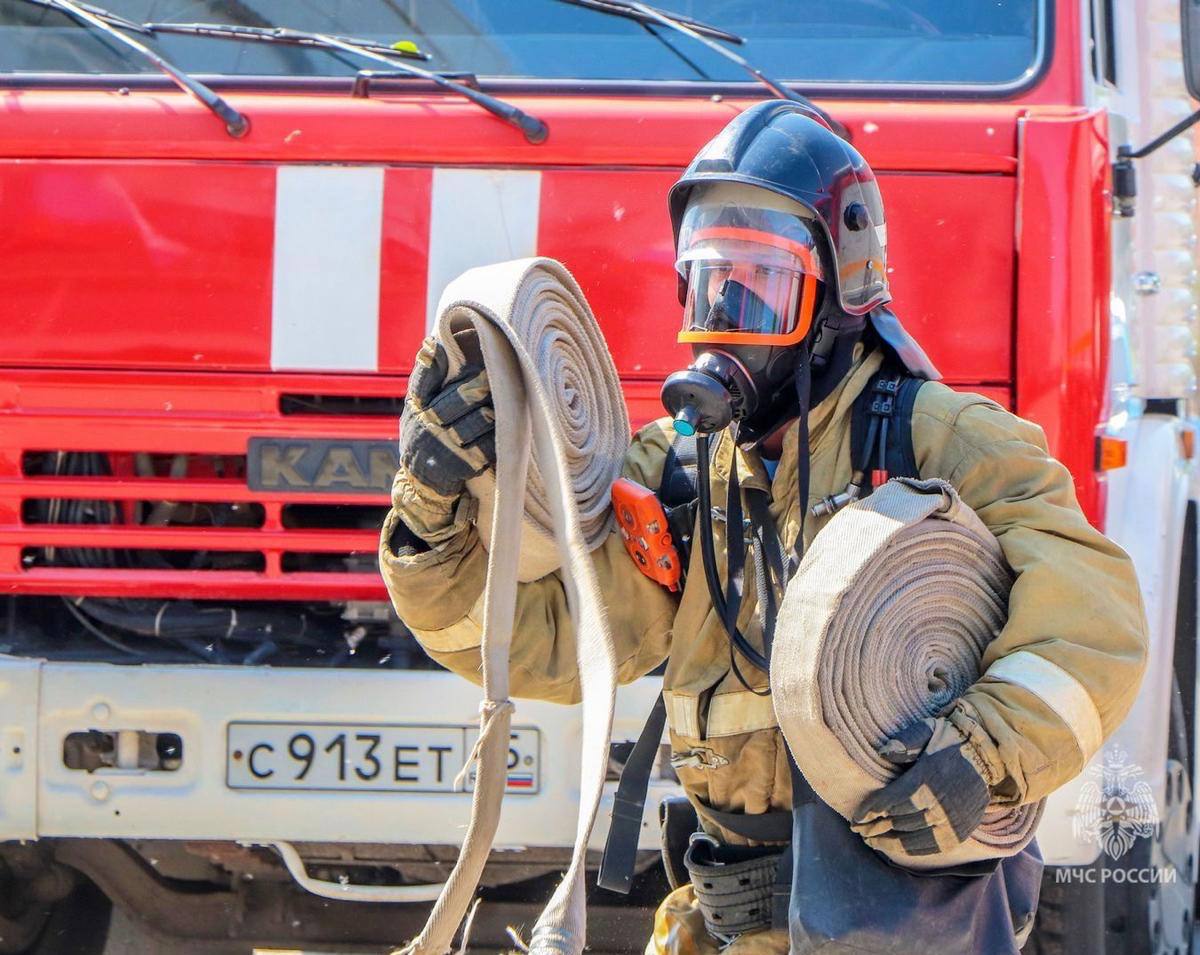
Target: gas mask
750	279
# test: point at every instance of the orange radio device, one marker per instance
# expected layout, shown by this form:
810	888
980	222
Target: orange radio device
643	524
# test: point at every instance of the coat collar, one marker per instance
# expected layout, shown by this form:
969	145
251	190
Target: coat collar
835	407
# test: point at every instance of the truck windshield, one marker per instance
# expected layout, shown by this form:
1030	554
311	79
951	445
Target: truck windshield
923	43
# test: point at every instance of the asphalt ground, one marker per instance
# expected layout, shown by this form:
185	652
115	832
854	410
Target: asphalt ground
127	937
616	926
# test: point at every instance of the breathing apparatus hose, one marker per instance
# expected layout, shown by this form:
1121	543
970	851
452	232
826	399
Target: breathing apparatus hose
728	604
562	425
709	558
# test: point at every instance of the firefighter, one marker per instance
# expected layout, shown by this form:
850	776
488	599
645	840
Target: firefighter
781	259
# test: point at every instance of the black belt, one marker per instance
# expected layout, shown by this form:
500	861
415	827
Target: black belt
734	885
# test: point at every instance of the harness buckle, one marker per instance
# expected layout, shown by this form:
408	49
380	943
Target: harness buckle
884	407
884	402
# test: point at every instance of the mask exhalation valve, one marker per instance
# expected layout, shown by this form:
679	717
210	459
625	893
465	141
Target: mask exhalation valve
707	395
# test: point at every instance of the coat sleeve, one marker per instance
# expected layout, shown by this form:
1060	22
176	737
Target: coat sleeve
439	596
1064	671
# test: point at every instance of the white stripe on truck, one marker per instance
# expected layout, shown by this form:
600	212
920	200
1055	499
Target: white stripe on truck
325	303
478	217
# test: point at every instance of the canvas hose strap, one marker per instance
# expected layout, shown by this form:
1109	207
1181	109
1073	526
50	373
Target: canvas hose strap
885	623
560	422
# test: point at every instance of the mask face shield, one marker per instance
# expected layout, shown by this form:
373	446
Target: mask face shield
752	275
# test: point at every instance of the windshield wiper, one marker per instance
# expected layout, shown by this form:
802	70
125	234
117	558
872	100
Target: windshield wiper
630	11
706	34
99	13
111	25
404	49
534	129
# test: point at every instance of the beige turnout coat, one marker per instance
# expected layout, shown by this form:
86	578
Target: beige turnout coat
1075	610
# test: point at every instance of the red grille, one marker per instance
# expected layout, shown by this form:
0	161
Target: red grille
283	544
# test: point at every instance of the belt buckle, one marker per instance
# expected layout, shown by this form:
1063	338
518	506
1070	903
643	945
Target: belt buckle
700	836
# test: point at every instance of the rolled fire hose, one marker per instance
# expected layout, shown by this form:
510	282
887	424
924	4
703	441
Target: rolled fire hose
556	394
885	623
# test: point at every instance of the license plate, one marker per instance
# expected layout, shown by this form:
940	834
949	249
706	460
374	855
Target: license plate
368	757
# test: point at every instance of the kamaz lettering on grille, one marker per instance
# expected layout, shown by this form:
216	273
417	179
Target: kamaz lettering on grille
330	465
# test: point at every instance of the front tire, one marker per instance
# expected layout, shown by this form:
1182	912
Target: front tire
76	925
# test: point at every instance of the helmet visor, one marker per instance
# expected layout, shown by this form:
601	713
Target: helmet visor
751	283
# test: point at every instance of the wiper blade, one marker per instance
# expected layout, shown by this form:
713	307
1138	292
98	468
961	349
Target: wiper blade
650	14
111	25
404	49
707	35
534	129
112	19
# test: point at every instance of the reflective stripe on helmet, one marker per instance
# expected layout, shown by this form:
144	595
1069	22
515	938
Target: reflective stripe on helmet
802	251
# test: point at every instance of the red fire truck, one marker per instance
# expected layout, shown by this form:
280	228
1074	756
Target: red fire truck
225	226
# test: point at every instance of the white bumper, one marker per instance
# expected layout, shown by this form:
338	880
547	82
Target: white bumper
42	702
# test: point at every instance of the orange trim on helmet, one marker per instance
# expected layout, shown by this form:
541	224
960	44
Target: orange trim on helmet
803	252
851	267
804	317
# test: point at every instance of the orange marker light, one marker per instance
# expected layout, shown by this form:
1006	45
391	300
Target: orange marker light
1111	453
1187	443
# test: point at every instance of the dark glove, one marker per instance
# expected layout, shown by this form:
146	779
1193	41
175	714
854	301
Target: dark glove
447	436
447	431
933	806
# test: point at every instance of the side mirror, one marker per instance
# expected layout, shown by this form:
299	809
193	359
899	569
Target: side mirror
1189	21
1123	171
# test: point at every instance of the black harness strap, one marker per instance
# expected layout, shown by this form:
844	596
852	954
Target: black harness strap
677	494
620	848
775	826
803	396
676	479
904	460
881	428
769	571
735	566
